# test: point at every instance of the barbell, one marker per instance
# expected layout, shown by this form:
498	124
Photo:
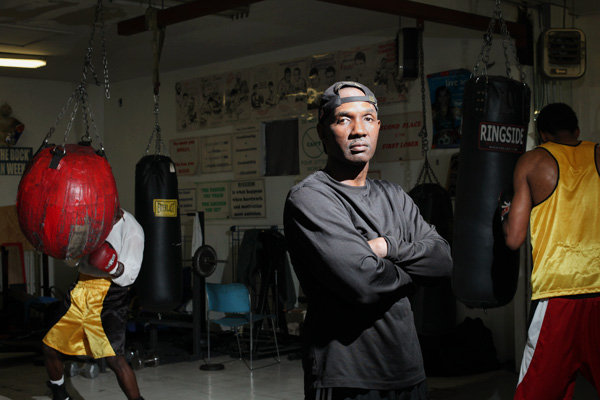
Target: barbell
204	261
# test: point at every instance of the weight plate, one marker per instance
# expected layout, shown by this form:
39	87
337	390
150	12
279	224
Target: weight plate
204	261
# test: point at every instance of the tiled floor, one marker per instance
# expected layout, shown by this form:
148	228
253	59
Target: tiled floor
21	379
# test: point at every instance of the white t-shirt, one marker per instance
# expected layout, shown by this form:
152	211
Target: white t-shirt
127	238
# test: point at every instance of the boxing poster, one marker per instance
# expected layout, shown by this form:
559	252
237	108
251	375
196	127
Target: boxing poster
357	65
237	96
210	101
187	95
287	89
291	87
263	92
387	84
321	74
446	93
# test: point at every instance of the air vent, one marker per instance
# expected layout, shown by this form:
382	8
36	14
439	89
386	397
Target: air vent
563	53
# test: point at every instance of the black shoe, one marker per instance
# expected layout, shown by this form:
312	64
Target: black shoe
59	392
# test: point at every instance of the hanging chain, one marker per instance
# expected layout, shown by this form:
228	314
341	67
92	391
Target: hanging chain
507	43
159	145
80	94
100	12
158	36
426	173
484	55
423	133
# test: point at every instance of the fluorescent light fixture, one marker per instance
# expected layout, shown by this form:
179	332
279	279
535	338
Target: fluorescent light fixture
21	61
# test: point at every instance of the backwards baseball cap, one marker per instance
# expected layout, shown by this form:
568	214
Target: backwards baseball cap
331	97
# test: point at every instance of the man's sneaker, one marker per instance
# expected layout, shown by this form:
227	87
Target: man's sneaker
59	392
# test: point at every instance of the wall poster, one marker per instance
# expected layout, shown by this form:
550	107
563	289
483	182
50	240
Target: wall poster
446	93
246	152
399	138
263	93
214	199
216	154
237	96
321	75
388	86
187	203
311	155
248	199
184	153
14	160
291	87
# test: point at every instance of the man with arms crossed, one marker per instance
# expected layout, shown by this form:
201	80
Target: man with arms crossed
357	245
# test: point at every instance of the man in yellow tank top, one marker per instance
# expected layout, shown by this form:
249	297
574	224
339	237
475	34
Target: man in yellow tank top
556	193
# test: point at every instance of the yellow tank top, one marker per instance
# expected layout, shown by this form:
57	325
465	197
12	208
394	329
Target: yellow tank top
565	228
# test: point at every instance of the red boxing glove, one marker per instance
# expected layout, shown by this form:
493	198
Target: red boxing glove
105	258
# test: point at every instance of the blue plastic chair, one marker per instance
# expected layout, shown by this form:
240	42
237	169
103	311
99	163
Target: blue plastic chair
233	299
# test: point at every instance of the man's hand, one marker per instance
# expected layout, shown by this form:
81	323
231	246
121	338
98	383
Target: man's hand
105	259
379	246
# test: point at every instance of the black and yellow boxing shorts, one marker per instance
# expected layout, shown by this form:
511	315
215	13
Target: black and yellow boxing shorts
92	320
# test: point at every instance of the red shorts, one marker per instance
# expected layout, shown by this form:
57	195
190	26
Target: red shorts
563	339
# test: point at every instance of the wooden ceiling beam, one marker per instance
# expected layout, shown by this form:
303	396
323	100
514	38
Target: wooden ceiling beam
406	8
180	13
413	9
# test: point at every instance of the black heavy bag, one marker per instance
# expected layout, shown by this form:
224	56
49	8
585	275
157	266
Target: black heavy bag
494	131
160	282
434	306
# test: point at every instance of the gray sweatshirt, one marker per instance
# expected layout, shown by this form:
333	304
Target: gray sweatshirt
359	330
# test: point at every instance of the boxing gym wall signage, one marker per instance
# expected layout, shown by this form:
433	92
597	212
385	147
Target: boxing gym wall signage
13	160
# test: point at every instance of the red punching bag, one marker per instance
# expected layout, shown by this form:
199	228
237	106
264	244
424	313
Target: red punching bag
67	200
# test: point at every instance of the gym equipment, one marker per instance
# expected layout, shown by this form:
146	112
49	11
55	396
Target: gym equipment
67	196
88	370
105	258
63	208
138	362
159	283
130	353
204	261
494	131
434	306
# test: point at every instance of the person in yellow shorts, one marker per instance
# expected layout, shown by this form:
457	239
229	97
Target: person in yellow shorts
93	318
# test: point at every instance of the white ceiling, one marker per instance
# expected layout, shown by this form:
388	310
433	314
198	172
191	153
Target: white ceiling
60	30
